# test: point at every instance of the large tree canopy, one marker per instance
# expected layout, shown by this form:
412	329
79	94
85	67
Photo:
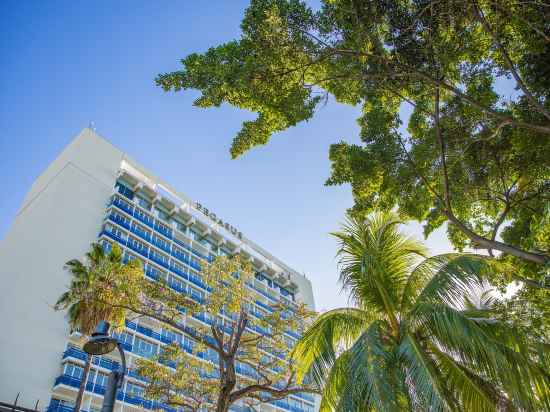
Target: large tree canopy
475	155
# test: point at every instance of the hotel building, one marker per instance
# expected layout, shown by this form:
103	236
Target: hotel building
94	192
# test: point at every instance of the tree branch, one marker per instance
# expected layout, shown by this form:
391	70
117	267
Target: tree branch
536	104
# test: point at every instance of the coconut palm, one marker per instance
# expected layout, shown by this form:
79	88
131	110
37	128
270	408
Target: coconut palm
414	339
89	279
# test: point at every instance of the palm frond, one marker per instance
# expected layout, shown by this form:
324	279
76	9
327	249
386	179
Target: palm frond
315	353
375	259
427	385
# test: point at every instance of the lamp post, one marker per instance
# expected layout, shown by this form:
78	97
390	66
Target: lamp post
99	344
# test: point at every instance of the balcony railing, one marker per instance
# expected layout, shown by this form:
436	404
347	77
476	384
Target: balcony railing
100	390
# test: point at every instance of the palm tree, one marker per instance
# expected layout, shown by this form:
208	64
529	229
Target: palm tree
413	339
82	300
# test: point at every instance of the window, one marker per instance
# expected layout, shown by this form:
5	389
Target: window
107	246
115	231
181	227
91	376
121	219
101	379
145	348
162	215
160	242
194	261
180	253
176	283
157	256
125	337
137	245
134	390
154	272
162	228
124	190
177	267
198	237
187	342
144	203
140	230
144	217
171	335
74	371
196	292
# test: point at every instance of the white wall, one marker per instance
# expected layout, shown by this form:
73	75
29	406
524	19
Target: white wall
61	215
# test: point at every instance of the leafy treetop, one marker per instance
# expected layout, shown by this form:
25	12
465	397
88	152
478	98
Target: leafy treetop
473	155
241	352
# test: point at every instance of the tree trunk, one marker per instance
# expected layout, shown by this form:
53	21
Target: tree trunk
78	401
229	380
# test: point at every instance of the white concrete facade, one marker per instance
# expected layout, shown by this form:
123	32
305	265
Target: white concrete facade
62	214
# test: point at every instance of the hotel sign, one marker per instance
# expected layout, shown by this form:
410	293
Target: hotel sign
212	216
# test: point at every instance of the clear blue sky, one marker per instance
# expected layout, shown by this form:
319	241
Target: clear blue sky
66	63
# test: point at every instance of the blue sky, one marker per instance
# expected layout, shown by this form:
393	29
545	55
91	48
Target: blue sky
66	63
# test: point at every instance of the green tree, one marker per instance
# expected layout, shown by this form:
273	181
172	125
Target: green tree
91	284
473	157
243	353
414	340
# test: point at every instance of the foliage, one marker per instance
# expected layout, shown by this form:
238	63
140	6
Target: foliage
237	339
414	340
473	155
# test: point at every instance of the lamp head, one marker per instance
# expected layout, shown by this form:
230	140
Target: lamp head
100	342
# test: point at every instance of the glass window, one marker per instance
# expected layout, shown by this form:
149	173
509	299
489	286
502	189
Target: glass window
124	190
160	242
162	215
181	227
73	370
194	260
176	283
177	266
136	244
91	376
144	217
144	203
101	379
134	390
171	335
180	253
140	230
145	348
125	337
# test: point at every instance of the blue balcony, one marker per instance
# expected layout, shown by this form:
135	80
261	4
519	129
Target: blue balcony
144	218
102	362
190	249
143	330
163	230
119	220
113	236
142	250
122	205
198	281
141	233
161	245
155	258
152	274
263	305
56	406
178	271
180	256
100	390
264	293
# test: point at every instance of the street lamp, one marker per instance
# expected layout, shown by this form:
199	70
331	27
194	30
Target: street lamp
99	344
